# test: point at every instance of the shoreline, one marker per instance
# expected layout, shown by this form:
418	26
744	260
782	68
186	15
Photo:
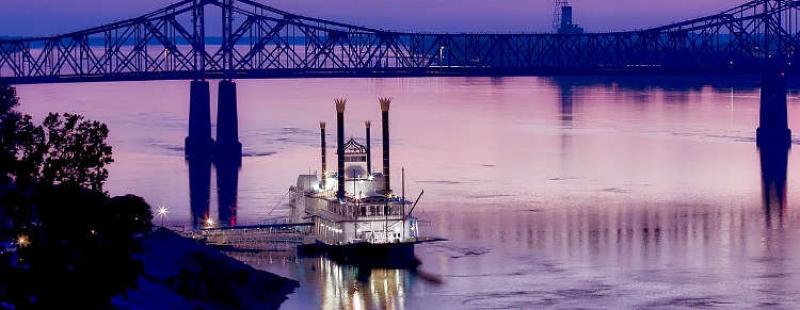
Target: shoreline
183	273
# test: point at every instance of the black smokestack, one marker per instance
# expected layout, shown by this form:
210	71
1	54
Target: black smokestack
324	154
369	150
340	103
385	102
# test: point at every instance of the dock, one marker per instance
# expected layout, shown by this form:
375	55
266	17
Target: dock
269	237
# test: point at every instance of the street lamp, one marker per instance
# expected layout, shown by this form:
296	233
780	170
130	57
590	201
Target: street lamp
210	222
162	212
23	241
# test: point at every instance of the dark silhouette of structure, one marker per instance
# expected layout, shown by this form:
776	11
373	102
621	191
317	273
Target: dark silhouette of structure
368	124
259	41
323	155
773	130
227	144
340	106
199	141
562	19
385	103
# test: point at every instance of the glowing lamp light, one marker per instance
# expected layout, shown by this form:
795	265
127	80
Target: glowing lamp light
23	241
162	212
210	222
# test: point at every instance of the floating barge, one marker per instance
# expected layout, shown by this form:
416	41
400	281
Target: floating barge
357	218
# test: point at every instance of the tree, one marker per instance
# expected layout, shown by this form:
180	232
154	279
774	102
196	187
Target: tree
8	98
22	144
22	149
130	213
66	149
79	252
79	244
8	131
77	153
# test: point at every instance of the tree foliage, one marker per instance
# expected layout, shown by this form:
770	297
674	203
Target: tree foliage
79	252
66	149
20	139
8	99
79	243
77	153
22	149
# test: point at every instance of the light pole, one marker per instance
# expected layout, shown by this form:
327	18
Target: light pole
162	212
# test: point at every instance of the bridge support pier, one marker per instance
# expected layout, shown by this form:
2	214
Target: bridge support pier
773	130
228	146
199	142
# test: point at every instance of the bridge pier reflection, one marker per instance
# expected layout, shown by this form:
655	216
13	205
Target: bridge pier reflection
774	161
227	190
199	190
225	153
774	139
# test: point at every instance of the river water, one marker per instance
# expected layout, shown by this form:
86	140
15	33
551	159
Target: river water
570	192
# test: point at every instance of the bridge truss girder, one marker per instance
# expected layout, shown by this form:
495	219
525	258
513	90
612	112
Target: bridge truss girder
261	41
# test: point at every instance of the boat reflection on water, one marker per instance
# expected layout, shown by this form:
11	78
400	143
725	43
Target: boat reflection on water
328	285
347	287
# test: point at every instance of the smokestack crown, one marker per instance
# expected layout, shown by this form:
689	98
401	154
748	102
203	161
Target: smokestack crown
385	102
367	123
340	104
321	125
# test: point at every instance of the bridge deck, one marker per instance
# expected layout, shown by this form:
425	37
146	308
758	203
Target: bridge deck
259	41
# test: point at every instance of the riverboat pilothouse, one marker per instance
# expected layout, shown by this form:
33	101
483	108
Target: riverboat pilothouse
355	214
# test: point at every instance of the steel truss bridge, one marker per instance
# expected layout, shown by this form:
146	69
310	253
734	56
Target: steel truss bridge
259	41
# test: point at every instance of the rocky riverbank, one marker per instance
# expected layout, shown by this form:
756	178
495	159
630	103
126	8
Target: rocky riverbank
180	273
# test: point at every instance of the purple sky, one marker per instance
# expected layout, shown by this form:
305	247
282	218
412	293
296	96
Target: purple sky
39	17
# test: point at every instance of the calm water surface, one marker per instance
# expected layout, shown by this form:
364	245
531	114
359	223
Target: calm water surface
565	192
